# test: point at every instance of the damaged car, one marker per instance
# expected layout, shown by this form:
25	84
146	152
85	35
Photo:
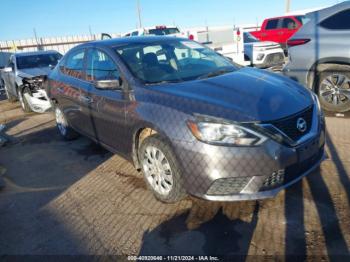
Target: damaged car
24	78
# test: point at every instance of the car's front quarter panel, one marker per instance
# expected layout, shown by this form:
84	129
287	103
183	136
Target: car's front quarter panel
201	163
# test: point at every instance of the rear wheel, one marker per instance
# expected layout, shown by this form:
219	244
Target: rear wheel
62	125
334	89
22	96
161	170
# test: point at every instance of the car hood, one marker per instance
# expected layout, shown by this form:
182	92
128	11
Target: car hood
247	94
33	72
263	44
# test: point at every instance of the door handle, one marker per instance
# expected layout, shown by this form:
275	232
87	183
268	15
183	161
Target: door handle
280	33
85	99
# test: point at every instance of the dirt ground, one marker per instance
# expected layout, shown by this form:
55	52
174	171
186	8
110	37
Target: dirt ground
69	198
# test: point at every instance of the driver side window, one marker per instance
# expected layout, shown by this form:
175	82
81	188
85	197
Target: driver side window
11	64
100	66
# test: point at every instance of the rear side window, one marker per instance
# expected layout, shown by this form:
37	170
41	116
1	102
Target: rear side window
339	21
289	23
272	24
74	64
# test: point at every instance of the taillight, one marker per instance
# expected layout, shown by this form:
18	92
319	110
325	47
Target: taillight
191	37
295	42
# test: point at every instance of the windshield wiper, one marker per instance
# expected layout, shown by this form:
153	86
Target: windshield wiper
216	73
165	82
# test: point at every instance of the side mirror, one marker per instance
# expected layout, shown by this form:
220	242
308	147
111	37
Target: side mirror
105	36
108	84
7	69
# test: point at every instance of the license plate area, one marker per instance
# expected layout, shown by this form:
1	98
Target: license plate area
308	150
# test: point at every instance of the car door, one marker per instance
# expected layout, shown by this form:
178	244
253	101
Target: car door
68	90
105	108
271	30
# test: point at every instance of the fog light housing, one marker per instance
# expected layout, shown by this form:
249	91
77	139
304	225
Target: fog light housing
260	57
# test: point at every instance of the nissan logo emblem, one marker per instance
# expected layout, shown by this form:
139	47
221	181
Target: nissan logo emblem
301	125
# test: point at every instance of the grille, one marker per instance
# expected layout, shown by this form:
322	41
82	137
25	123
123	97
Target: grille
289	125
274	58
228	186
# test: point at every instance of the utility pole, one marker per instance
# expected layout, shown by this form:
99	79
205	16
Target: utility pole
288	6
39	47
139	13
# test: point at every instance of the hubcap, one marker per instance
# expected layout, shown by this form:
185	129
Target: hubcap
61	121
157	170
335	89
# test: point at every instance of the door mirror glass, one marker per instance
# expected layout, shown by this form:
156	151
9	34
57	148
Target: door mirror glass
7	69
108	84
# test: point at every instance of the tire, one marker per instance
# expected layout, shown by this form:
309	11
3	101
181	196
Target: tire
161	170
23	100
11	98
63	127
332	84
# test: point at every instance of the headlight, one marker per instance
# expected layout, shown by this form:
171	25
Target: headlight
225	134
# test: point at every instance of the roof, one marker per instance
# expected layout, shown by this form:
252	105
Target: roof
135	40
326	12
35	53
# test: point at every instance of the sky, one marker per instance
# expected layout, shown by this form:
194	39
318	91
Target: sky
18	18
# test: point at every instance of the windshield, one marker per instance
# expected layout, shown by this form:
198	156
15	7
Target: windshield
249	38
33	61
173	61
163	31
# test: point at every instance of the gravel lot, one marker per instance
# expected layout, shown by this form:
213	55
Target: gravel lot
71	198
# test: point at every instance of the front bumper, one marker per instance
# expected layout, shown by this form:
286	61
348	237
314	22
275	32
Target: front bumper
219	173
38	101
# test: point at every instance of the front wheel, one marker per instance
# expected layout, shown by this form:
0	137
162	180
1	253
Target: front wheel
334	89
161	170
62	125
22	96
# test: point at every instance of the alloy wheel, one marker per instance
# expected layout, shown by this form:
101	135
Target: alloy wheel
157	170
335	89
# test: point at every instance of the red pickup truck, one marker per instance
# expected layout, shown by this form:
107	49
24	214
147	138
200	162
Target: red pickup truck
279	29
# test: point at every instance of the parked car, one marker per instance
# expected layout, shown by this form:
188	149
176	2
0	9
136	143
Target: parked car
24	76
279	29
262	54
4	57
189	119
155	30
320	56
